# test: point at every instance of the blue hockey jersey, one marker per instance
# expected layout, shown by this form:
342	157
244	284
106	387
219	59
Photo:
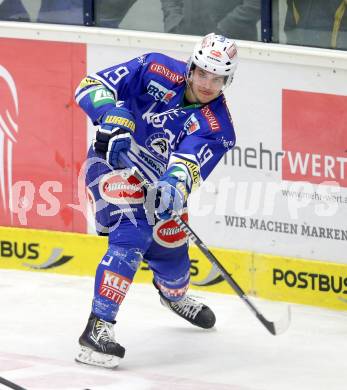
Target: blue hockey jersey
167	132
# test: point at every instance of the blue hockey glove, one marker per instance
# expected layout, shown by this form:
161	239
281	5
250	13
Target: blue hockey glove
172	192
114	134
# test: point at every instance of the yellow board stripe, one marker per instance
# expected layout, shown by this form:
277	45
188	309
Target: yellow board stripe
278	278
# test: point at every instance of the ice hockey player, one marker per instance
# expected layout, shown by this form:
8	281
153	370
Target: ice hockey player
171	119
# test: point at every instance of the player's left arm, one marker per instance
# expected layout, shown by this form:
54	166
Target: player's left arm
188	166
197	155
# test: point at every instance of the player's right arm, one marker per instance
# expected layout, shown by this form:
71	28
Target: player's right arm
94	98
97	95
99	92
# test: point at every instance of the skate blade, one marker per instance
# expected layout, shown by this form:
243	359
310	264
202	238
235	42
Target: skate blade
88	356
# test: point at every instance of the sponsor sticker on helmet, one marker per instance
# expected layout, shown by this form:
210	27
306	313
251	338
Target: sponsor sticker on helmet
206	41
216	53
220	38
118	187
168	234
231	51
213	58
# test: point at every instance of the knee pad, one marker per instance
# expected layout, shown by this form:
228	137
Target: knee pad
118	259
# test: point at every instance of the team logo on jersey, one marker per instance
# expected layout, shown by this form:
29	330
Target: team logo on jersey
191	125
118	187
158	145
211	118
159	92
168	234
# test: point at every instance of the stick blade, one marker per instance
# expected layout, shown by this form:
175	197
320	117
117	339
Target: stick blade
277	327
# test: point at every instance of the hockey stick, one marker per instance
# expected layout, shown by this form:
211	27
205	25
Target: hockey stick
274	328
9	384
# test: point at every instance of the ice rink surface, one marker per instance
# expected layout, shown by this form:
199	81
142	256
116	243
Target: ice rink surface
42	316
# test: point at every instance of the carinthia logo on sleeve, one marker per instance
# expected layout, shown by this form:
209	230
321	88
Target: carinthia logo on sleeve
166	72
211	118
191	125
114	286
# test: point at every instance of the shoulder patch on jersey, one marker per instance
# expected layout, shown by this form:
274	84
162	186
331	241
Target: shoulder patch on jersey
211	118
87	81
166	72
101	96
141	60
191	125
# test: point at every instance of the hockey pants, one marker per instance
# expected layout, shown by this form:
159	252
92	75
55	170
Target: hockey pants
117	200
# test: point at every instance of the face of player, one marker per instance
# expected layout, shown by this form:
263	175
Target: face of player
203	86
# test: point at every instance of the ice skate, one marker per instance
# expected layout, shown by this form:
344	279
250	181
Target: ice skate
98	346
191	310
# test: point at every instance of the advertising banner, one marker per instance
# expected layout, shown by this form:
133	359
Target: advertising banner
42	134
283	188
263	276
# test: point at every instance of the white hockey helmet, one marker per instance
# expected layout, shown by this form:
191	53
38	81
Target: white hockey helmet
216	54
